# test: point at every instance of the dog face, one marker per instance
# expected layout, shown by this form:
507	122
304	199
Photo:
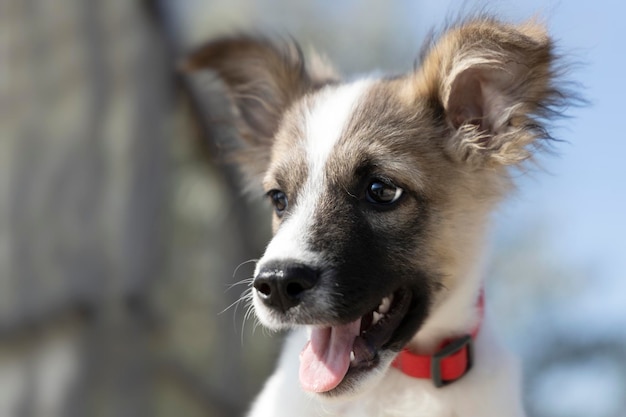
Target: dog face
381	187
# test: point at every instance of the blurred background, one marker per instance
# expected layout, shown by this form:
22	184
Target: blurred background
122	237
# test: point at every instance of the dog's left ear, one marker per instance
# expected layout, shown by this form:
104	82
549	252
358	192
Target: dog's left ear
262	78
496	84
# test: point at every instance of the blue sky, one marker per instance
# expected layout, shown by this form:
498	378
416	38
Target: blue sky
583	195
586	194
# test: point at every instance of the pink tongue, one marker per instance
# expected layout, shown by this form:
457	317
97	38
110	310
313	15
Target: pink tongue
325	360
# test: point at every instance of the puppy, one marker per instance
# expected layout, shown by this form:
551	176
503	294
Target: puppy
382	190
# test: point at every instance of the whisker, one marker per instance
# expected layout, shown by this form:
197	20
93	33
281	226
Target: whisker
242	264
235	303
247	315
243	327
249	312
246	281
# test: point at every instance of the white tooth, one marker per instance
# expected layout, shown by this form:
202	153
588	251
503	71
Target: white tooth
377	317
385	304
352	357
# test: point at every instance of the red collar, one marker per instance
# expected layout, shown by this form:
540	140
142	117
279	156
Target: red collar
453	360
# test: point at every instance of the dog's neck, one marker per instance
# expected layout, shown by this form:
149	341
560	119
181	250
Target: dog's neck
455	312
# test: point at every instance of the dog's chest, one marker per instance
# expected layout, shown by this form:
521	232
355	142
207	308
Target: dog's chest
399	396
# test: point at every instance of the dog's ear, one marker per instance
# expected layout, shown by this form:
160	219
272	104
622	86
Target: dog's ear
262	78
496	84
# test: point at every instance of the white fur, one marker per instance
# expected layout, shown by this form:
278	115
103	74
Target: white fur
324	125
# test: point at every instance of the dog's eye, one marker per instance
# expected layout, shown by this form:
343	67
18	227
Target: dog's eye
279	200
379	192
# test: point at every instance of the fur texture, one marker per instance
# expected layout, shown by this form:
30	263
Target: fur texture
383	189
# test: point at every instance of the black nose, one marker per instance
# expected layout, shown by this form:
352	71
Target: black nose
283	285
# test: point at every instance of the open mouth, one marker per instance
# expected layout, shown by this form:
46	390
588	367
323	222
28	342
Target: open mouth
333	351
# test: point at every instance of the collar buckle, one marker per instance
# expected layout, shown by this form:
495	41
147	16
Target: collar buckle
459	350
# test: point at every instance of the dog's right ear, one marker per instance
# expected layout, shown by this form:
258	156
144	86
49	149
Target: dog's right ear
497	85
262	78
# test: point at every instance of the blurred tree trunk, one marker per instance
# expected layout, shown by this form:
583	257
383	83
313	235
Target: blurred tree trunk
86	107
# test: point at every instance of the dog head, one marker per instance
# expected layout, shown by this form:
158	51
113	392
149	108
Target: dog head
381	186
